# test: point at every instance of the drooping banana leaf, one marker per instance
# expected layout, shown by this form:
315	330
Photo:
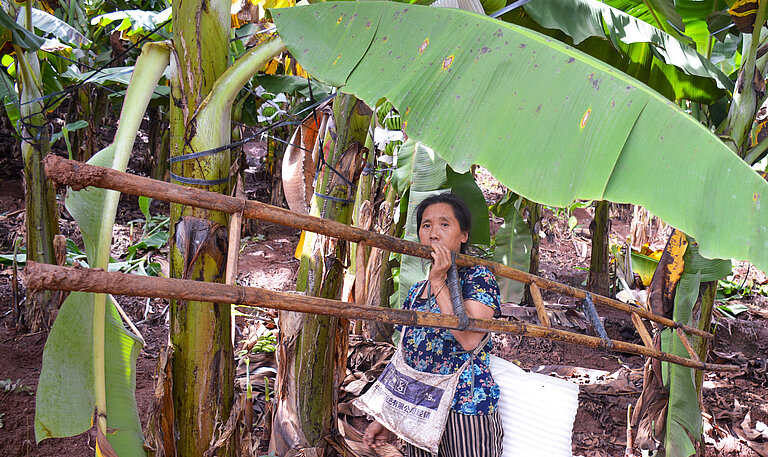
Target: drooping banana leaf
657	58
80	371
659	13
695	14
52	25
424	174
683	413
66	391
18	35
135	23
548	121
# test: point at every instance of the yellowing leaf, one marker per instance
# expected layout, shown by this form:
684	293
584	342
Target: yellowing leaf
300	246
272	67
267	4
292	67
667	275
646	251
744	13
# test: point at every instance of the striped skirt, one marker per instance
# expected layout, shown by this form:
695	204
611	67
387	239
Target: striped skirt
467	436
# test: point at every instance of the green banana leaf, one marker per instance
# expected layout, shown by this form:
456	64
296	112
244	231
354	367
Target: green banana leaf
695	14
549	122
17	34
644	266
423	173
293	85
659	13
135	22
9	100
683	413
54	26
655	57
66	392
71	351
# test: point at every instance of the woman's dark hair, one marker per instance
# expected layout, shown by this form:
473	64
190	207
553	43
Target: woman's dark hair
460	211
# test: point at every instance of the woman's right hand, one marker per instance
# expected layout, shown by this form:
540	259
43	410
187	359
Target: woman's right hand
441	262
376	435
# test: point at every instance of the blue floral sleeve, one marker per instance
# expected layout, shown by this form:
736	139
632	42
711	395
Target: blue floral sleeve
479	284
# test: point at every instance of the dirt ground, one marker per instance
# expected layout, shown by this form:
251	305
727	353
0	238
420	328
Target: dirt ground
610	382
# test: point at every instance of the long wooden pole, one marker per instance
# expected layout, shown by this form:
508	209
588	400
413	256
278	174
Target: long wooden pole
42	276
79	175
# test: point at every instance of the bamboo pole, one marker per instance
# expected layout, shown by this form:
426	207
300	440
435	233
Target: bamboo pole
539	303
42	276
80	175
235	226
640	326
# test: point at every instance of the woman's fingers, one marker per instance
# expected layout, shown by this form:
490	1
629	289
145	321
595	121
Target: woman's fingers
441	261
374	433
380	441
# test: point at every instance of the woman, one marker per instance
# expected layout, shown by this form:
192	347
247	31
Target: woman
474	424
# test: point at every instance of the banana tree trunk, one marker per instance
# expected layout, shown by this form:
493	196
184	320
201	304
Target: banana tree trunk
598	281
202	356
42	216
534	225
381	285
363	216
312	349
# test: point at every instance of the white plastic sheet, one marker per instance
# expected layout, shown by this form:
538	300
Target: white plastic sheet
537	411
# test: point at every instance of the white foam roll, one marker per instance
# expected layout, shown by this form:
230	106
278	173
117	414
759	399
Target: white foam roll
537	411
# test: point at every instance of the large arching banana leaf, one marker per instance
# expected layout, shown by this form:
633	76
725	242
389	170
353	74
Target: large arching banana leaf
548	121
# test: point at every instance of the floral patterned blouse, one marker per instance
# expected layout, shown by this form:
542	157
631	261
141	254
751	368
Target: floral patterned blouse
436	350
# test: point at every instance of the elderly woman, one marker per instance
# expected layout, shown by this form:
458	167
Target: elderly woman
474	425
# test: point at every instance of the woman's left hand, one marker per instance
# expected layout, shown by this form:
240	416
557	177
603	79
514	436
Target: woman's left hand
376	435
441	262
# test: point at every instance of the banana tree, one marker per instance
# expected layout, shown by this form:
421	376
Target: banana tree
89	346
42	218
609	124
311	346
99	353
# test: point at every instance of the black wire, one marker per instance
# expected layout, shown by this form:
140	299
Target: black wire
23	120
258	134
207	152
73	88
741	287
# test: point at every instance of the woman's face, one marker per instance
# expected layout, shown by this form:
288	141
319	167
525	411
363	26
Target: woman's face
440	226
